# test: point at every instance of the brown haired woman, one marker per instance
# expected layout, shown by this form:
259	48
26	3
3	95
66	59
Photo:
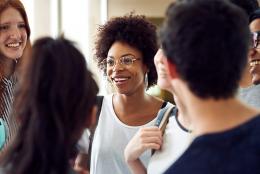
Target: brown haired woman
14	41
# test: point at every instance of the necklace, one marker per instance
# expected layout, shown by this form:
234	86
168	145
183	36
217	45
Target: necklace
175	113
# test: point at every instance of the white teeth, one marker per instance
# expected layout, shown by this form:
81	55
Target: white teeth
13	45
255	62
120	79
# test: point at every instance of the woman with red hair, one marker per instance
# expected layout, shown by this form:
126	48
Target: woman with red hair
14	41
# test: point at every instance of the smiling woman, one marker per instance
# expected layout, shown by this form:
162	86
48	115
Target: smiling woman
14	41
13	36
125	49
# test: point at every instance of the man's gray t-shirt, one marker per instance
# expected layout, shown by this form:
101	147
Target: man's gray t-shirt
250	95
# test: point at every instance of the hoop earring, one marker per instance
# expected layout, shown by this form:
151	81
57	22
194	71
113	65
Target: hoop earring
146	80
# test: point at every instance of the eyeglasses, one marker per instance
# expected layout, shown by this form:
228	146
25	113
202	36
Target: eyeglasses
125	61
256	39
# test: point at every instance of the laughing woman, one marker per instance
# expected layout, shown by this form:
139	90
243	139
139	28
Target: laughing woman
14	41
124	50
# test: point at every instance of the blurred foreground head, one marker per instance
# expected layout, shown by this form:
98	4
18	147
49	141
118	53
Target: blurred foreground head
54	103
203	40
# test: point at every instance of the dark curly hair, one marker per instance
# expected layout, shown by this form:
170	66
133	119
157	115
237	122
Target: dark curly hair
249	6
134	30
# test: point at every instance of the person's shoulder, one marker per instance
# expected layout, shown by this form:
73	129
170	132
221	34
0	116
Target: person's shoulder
215	163
187	164
106	97
208	151
254	126
256	119
156	99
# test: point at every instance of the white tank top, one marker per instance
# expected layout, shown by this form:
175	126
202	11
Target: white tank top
110	140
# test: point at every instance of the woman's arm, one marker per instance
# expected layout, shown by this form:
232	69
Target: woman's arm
146	138
80	164
136	166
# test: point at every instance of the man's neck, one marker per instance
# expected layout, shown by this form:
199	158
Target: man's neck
212	116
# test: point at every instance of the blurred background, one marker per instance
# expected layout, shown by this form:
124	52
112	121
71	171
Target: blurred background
78	20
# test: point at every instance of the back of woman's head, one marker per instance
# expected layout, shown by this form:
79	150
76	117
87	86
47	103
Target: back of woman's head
53	103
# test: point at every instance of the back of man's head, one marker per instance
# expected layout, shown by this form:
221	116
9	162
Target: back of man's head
208	42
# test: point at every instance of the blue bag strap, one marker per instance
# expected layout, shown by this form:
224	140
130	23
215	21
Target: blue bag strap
2	133
161	114
163	118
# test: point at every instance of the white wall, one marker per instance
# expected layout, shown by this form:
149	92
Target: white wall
42	16
150	8
80	19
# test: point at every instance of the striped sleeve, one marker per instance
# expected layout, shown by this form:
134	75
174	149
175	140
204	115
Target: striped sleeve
6	104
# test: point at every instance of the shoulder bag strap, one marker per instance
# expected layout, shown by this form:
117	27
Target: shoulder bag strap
163	118
93	128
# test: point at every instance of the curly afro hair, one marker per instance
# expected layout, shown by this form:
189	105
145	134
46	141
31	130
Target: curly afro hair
134	30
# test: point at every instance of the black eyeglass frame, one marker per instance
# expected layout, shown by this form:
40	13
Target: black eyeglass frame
255	39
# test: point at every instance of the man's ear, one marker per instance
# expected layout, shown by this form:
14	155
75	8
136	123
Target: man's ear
171	68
